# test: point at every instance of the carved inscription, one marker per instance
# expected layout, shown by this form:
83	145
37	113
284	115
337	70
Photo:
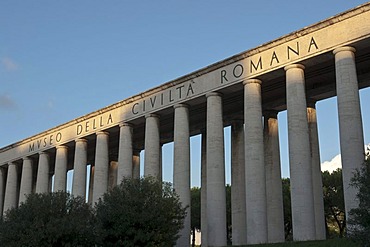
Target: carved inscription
260	62
171	95
45	141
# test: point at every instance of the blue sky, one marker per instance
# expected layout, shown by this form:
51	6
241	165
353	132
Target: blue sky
62	59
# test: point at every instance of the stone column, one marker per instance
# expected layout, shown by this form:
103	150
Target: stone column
254	164
238	209
274	193
318	196
181	167
203	190
112	177
152	147
61	159
26	180
136	164
11	189
350	122
2	189
79	173
216	193
160	177
101	166
125	152
91	183
299	155
42	181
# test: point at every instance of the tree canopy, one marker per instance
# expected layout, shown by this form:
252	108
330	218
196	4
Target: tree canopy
334	202
53	219
360	216
140	212
288	227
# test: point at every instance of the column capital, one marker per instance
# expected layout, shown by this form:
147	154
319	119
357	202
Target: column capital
136	151
61	147
80	140
151	115
294	66
237	122
344	48
237	119
311	103
180	105
43	152
213	94
102	133
270	113
124	124
26	158
253	80
11	163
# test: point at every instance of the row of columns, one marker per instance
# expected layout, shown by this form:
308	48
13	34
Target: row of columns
257	211
15	194
263	199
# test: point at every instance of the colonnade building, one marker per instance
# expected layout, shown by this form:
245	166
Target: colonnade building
246	92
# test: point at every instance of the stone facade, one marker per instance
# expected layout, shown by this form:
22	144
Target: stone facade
330	58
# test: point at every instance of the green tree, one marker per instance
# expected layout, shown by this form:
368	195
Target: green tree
288	227
139	212
195	211
228	214
53	219
334	202
360	216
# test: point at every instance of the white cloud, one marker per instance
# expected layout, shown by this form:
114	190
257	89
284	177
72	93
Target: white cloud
332	165
9	64
336	162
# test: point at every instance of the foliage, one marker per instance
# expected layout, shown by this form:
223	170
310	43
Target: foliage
140	212
195	211
53	219
336	242
288	227
228	214
334	203
360	216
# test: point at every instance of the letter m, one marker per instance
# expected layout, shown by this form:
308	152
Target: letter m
31	147
256	66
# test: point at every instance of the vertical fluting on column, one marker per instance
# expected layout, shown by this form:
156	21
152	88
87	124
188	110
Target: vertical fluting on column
152	147
350	122
238	209
42	181
216	193
26	180
316	172
79	173
254	164
101	166
112	177
136	164
274	194
203	190
125	152
181	167
299	155
91	183
11	189
2	189
160	163
61	159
